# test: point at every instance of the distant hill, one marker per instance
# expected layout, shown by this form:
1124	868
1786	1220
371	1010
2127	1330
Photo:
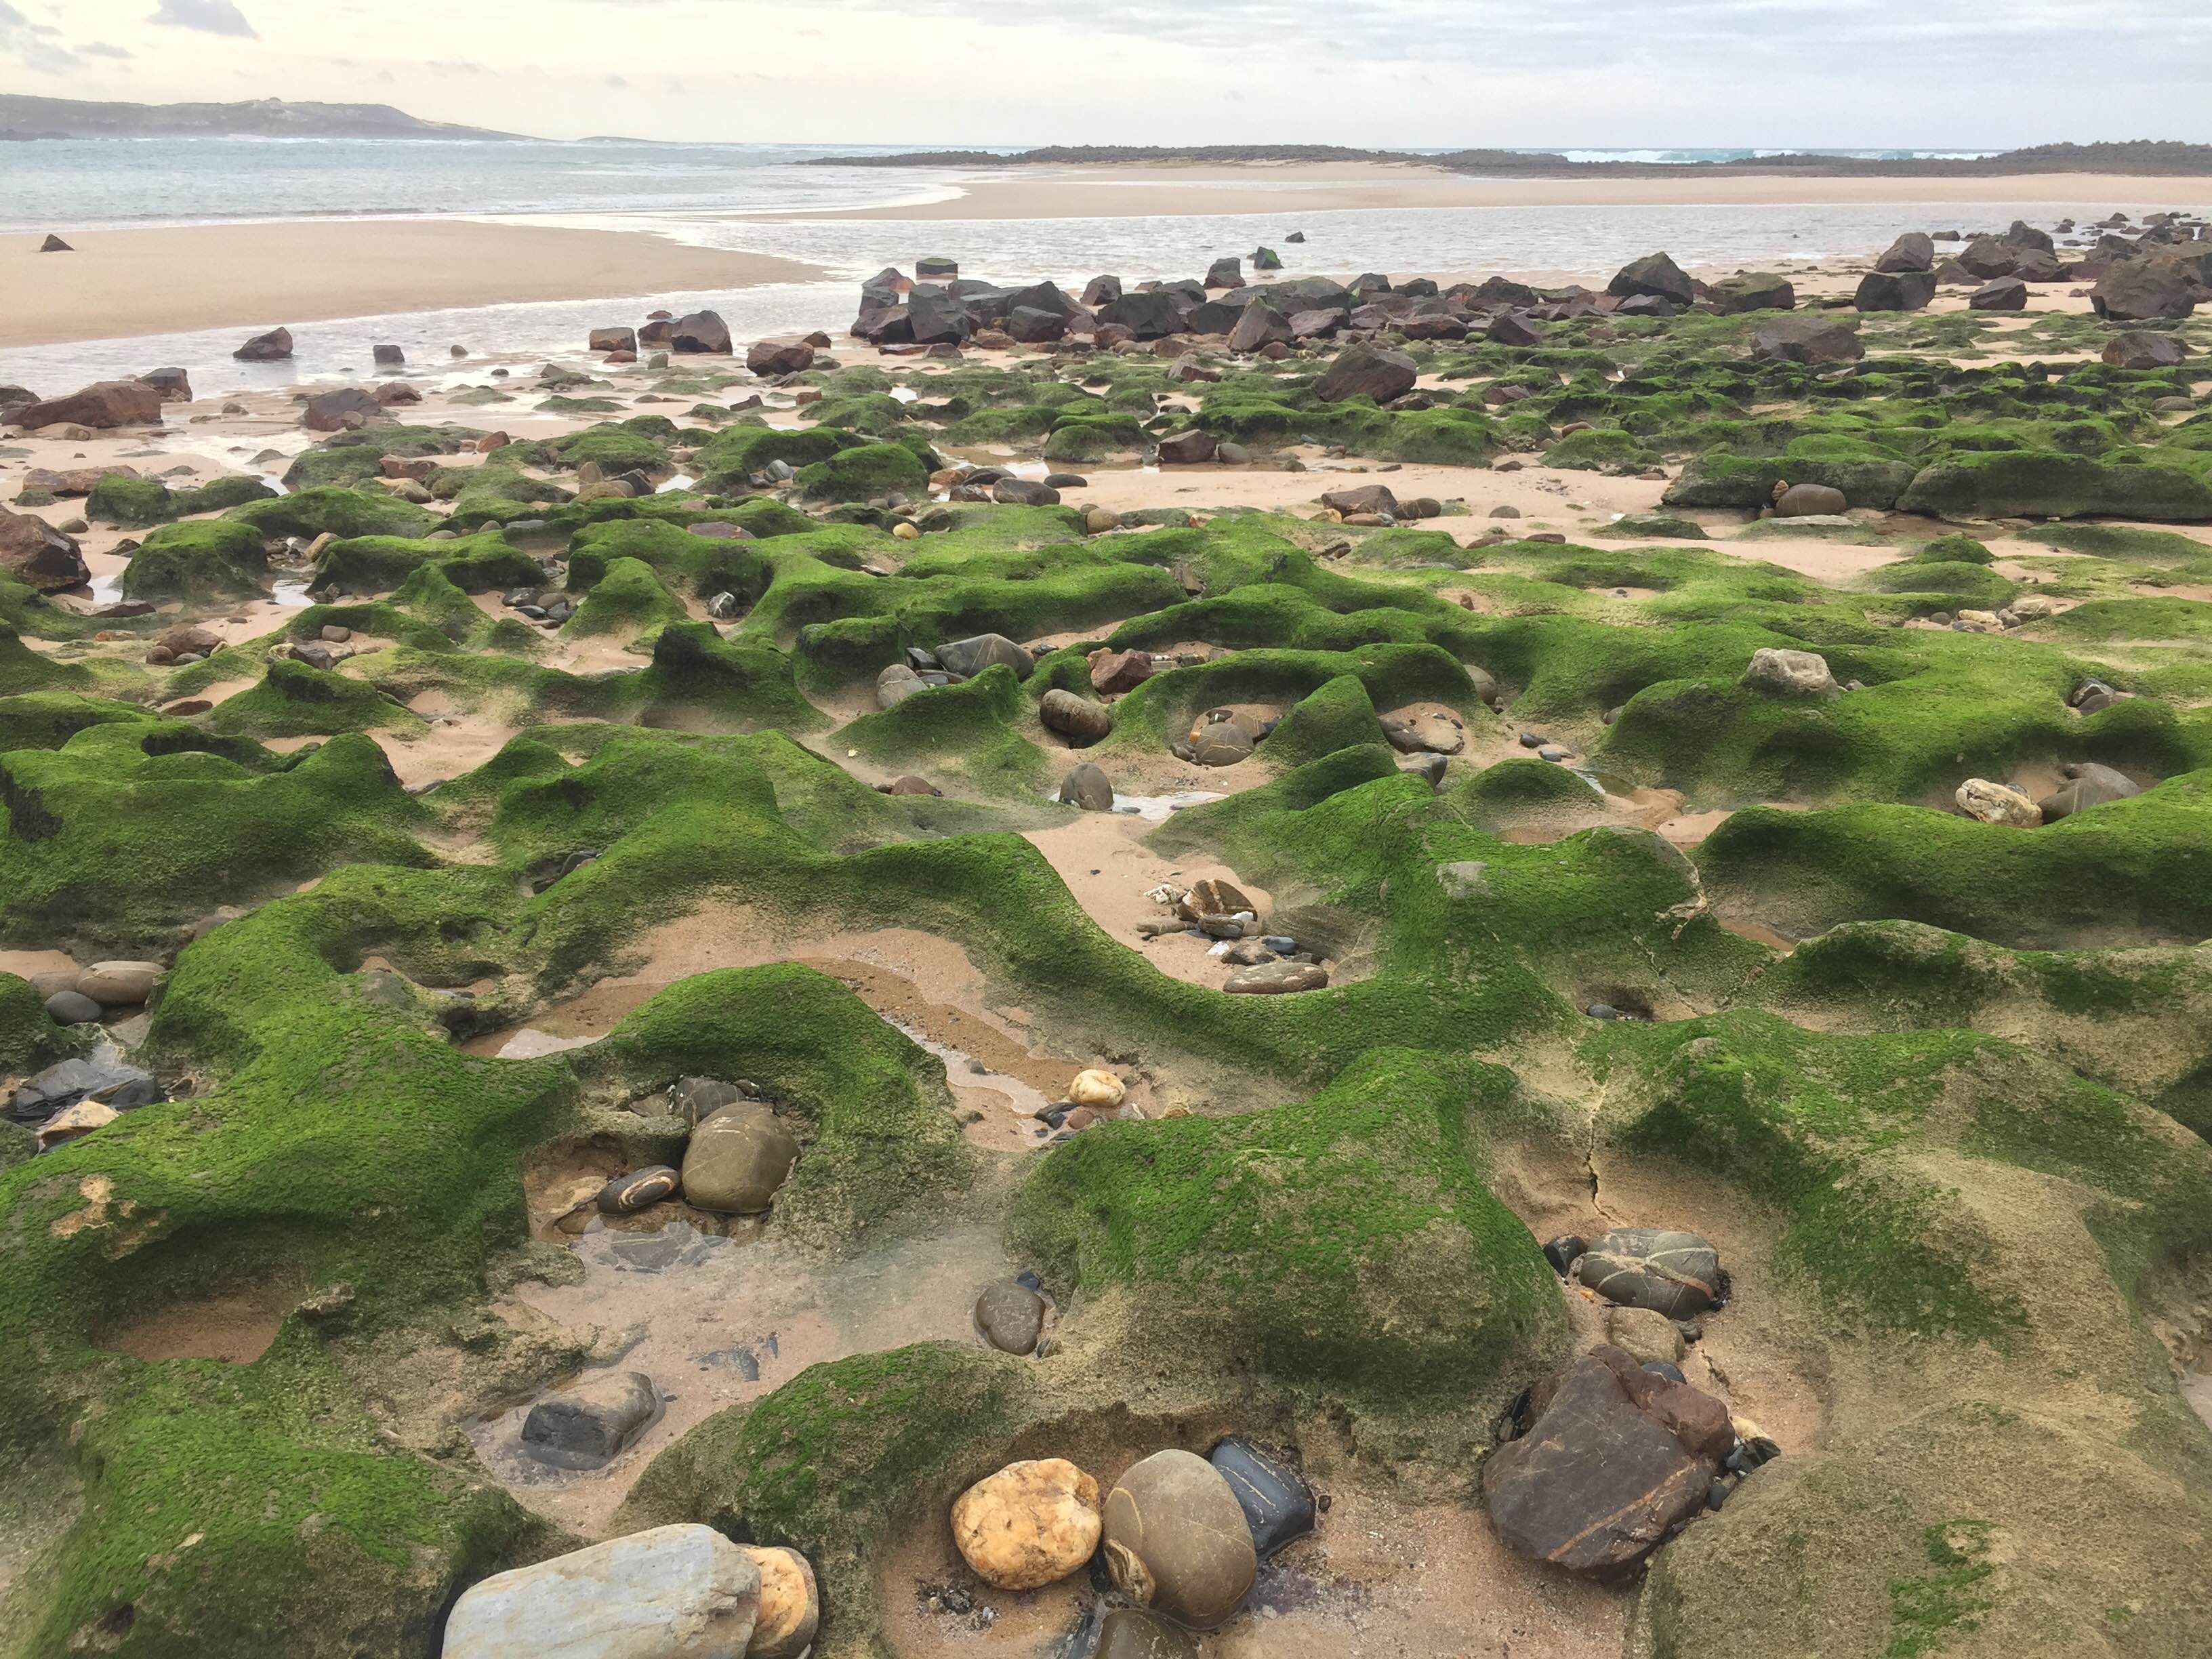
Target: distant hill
24	118
2144	156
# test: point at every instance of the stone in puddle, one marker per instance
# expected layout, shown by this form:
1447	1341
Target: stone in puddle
1133	1633
641	1189
1277	1505
72	1008
682	1592
1176	1541
1089	789
1277	979
1673	1273
1010	1315
588	1425
1031	1524
738	1159
790	1605
1617	1458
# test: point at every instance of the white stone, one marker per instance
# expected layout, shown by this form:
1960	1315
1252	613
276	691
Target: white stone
1997	803
1790	674
682	1592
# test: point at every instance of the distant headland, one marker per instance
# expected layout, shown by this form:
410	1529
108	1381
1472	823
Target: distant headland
24	118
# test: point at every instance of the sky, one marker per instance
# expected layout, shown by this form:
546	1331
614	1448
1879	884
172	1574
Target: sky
1372	73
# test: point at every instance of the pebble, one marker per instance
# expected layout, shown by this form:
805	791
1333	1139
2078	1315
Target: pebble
628	1194
1177	1540
1011	1315
738	1159
1278	1504
1031	1524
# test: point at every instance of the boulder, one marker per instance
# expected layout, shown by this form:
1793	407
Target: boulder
35	553
1278	1505
911	785
274	347
1807	340
1089	789
613	340
1187	449
1914	251
778	357
681	1592
968	658
1986	256
2144	290
1030	1525
119	984
1618	1458
738	1159
2005	294
1646	1333
703	333
2088	785
1024	492
1226	273
1367	371
1760	291
1010	1315
1148	314
1261	326
790	1604
55	244
103	406
589	1425
1655	276
1998	804
1790	673
1116	672
387	357
897	683
335	411
174	384
1027	325
1176	1539
1905	290
74	1123
1224	744
935	316
1808	500
1363	499
72	1008
1273	979
937	269
1670	1271
61	1085
1074	717
2145	351
2023	234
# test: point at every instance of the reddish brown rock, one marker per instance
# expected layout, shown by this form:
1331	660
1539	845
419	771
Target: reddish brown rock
33	552
777	357
109	404
1113	672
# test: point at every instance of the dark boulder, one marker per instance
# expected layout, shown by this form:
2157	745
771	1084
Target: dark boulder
2145	351
703	334
106	404
1226	273
1261	324
1914	251
1656	276
174	384
1807	340
337	411
1760	291
1278	1504
274	347
1618	1460
772	358
1367	371
55	244
2005	294
1148	314
1985	257
33	552
1880	290
2144	290
938	317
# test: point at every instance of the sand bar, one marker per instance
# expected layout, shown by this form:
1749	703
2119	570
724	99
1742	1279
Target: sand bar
1118	190
123	282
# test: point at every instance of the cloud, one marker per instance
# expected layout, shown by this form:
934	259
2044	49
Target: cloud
37	46
205	16
101	49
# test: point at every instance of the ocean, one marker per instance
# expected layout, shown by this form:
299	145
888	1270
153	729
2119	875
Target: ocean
752	197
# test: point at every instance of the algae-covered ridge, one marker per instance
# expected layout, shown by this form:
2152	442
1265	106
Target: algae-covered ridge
1942	1086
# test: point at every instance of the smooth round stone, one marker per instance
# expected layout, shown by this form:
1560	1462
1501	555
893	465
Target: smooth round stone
697	1098
1133	1633
1010	1315
738	1159
641	1189
1176	1539
1674	1272
1221	744
1645	1334
1031	1524
1089	789
1565	1251
72	1008
790	1605
119	984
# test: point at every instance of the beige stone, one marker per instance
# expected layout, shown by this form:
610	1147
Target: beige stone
790	1605
1031	1524
1176	1539
1646	1333
1998	804
1101	1089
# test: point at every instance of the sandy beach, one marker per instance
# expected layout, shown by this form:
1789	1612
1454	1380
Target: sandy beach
1109	191
123	282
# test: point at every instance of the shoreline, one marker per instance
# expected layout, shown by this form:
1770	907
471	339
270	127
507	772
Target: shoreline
128	284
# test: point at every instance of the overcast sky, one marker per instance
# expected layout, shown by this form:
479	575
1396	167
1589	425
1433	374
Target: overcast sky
1366	72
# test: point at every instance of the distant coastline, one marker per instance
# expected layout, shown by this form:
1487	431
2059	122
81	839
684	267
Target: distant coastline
2136	158
24	119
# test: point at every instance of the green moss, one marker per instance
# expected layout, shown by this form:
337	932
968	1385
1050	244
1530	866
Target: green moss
1345	1245
336	512
208	560
381	564
856	474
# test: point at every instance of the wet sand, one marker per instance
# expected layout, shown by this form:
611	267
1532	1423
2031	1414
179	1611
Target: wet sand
1113	191
167	279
